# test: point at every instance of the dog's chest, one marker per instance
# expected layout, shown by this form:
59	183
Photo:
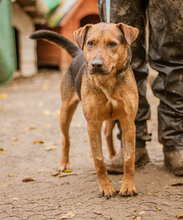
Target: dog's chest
109	97
106	90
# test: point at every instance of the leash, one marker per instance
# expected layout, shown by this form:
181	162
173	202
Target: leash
108	5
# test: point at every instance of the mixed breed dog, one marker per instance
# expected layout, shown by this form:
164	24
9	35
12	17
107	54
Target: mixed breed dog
101	77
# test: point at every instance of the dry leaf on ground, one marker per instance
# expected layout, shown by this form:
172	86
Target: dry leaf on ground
55	173
158	208
70	214
31	128
38	142
3	95
2	150
180	216
67	174
177	184
11	175
51	148
68	171
28	179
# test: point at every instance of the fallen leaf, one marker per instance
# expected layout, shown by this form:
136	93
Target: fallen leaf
55	173
2	150
38	142
179	216
1	108
70	214
142	212
177	184
67	171
97	213
134	217
67	174
31	128
158	208
51	148
3	95
28	179
14	199
11	175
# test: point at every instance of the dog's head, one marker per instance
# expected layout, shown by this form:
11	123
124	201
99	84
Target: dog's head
105	46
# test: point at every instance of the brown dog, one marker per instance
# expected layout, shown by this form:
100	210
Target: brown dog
104	81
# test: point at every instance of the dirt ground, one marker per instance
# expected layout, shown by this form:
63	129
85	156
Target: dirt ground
29	113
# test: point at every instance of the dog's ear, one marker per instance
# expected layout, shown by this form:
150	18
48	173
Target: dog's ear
130	33
80	35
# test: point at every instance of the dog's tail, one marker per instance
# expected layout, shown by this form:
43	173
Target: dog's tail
58	39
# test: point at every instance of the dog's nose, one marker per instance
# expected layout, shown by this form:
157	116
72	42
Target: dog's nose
97	63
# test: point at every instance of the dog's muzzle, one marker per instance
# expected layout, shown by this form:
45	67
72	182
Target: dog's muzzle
97	67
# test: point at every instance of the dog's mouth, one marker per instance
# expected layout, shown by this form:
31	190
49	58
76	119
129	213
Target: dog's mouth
100	71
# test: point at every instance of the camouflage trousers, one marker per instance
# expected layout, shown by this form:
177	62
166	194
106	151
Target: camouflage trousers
164	54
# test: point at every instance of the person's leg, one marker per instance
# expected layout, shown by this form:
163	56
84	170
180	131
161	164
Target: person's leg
166	56
133	13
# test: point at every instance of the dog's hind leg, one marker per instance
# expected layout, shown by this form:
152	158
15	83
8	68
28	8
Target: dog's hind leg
70	101
67	110
109	125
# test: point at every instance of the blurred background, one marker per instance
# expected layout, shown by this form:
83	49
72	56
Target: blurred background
20	56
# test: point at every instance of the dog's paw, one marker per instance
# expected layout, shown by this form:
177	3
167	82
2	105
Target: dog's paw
128	189
108	191
63	166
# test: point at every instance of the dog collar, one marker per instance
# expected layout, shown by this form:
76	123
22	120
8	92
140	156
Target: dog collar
127	63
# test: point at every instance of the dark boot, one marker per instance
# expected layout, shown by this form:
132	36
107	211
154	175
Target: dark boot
115	165
174	161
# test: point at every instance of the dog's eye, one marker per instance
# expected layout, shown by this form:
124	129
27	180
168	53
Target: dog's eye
111	44
90	43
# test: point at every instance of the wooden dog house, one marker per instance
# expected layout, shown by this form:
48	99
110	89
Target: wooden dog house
81	13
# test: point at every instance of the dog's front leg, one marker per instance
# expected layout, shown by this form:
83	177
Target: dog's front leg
94	132
128	140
